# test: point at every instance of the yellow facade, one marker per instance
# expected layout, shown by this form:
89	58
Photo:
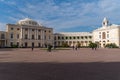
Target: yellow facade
28	33
3	37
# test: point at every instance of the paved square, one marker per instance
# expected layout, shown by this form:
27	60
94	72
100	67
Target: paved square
81	64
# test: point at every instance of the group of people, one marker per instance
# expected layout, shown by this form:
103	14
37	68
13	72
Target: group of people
75	47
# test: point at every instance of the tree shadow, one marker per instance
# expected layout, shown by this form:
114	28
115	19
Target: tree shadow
60	71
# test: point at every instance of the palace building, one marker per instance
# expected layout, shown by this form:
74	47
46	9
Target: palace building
108	33
73	38
26	33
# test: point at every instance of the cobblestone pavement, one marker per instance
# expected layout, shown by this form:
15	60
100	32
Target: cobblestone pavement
81	64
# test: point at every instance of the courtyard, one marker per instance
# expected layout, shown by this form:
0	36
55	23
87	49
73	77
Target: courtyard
68	64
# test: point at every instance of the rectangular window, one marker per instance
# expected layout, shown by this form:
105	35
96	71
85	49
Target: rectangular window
18	29
39	37
11	36
100	36
107	35
2	36
26	36
11	28
39	30
17	43
33	37
17	36
44	37
55	38
32	29
11	44
58	37
49	37
39	45
26	29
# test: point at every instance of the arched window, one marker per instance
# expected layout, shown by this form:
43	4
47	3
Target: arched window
103	35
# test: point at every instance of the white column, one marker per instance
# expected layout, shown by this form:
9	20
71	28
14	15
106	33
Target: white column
41	34
21	36
37	34
28	34
41	37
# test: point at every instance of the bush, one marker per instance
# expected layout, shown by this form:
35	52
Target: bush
14	46
111	45
92	45
65	45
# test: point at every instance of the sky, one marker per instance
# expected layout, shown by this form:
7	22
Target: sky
61	15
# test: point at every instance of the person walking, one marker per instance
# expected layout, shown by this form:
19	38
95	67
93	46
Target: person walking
75	47
32	48
49	48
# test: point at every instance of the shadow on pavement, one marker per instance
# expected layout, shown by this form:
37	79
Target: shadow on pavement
6	49
60	71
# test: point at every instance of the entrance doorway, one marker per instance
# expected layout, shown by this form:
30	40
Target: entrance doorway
26	45
32	44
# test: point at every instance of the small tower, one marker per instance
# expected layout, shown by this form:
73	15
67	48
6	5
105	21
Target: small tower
105	22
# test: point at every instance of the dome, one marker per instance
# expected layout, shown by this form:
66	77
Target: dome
28	21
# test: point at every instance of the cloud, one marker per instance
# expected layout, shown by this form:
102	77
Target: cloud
2	0
66	14
8	2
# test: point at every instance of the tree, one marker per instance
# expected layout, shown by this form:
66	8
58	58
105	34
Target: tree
93	45
79	45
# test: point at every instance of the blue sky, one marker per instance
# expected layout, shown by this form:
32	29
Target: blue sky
62	15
